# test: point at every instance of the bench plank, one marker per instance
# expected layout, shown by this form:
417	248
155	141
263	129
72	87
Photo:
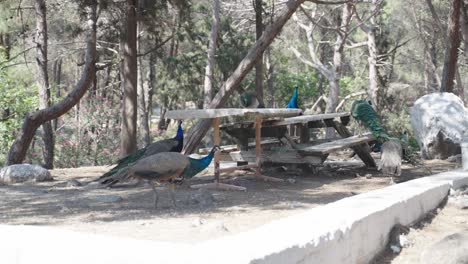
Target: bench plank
286	156
329	147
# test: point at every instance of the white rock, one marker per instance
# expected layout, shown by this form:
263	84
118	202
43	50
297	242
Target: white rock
24	172
439	122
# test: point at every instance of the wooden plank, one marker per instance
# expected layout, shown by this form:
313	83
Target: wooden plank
362	150
243	167
285	156
306	119
329	147
223	112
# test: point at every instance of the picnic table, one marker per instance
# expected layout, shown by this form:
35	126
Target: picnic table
305	152
258	115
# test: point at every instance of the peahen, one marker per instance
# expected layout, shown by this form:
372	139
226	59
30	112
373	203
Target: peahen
166	145
164	167
390	147
293	101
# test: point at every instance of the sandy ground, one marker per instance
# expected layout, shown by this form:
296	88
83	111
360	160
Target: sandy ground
89	208
445	220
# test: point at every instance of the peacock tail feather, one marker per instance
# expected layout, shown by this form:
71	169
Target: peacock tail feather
125	162
361	110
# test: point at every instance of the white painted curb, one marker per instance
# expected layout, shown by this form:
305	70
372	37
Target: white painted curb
351	230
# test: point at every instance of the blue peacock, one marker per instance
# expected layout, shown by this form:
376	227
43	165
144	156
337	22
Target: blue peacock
293	101
166	145
164	167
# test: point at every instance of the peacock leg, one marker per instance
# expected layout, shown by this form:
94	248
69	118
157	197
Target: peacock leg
173	195
156	197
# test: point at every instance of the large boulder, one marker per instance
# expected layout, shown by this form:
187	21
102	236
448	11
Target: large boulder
439	122
24	172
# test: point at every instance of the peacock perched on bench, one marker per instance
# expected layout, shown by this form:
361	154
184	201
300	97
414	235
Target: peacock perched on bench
390	147
166	145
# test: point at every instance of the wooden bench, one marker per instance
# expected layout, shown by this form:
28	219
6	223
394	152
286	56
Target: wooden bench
307	153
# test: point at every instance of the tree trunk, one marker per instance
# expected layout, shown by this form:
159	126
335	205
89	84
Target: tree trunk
334	78
270	78
259	64
210	62
373	53
57	70
33	121
451	50
5	46
199	130
128	136
43	80
143	110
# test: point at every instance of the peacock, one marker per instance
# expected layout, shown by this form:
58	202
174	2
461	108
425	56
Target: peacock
390	147
164	167
166	145
293	101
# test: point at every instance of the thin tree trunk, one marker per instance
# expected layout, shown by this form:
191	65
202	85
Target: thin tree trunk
451	51
128	134
334	79
373	54
259	64
270	78
199	130
57	70
43	80
210	62
33	121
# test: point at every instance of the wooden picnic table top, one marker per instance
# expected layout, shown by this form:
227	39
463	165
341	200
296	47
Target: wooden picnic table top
224	112
303	119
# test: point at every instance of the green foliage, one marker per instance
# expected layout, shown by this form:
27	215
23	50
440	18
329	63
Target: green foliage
285	82
18	98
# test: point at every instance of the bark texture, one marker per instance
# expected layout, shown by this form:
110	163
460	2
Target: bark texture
451	50
43	80
128	136
210	63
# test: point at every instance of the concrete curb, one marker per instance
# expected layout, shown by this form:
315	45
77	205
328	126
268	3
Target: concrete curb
351	230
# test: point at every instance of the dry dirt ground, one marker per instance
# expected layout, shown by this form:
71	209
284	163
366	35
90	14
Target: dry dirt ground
442	222
199	215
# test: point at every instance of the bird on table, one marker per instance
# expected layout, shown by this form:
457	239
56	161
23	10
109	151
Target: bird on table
164	167
293	101
166	145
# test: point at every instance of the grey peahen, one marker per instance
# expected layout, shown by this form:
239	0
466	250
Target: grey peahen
164	167
166	145
390	147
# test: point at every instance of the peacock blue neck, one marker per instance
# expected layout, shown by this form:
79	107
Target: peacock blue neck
293	102
180	132
197	165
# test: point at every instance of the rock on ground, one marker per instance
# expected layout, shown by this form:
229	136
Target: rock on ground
439	122
24	172
449	250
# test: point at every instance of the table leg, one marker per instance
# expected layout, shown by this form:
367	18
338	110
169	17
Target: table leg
258	152
217	184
